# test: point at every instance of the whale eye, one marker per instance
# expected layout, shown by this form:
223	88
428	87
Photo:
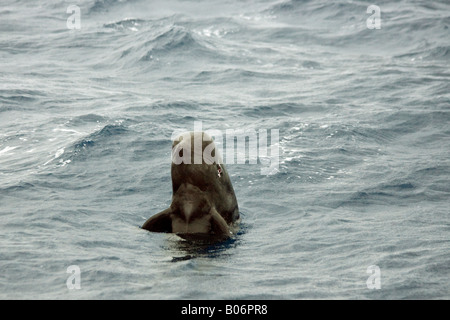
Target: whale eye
219	170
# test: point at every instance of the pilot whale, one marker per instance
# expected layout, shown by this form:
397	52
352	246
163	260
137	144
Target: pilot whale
203	198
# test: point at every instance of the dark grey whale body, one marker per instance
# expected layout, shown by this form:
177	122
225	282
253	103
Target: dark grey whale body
203	200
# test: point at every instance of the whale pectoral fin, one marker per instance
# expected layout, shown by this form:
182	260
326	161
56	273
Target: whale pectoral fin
218	223
160	222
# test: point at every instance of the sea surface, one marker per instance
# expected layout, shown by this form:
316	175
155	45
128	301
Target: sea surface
357	207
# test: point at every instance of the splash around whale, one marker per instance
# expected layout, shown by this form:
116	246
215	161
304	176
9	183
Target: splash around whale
203	201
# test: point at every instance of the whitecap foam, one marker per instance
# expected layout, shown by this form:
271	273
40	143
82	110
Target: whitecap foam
6	150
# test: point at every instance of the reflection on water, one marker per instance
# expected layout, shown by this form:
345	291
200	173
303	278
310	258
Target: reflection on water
191	246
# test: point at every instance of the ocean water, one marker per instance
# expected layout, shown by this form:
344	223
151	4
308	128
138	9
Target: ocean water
88	103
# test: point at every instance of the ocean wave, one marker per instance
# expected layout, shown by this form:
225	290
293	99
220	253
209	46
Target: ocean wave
98	144
418	186
84	119
430	53
231	74
20	95
126	24
175	40
384	195
106	5
322	10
